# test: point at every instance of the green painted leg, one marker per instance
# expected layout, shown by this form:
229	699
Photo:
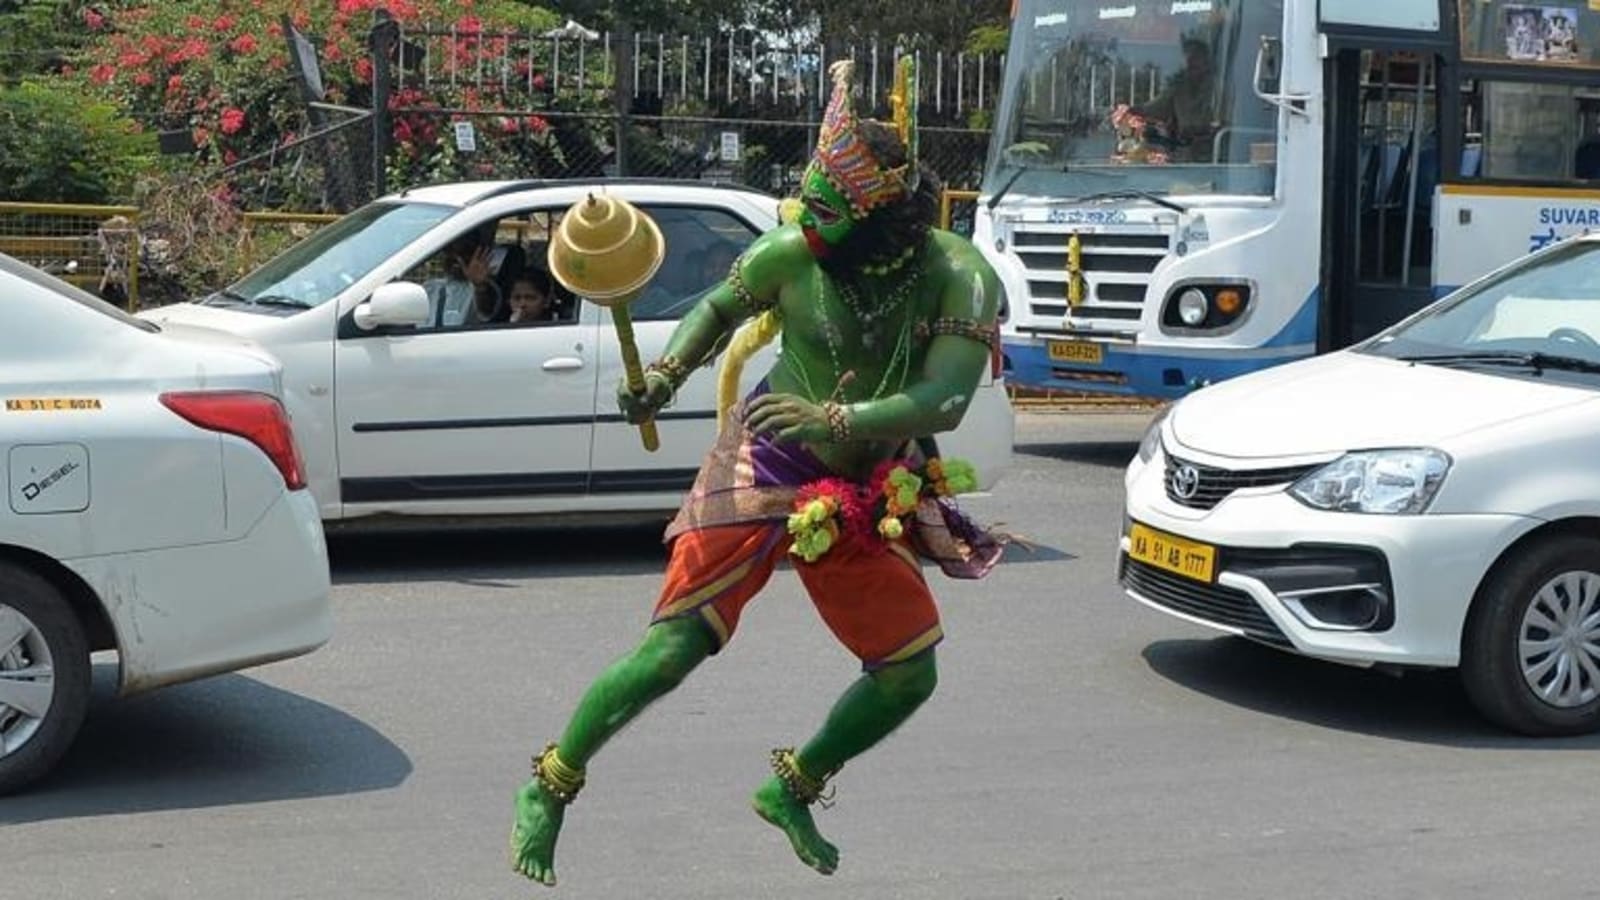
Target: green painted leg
869	711
668	653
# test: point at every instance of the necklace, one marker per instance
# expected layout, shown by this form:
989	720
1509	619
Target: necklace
898	368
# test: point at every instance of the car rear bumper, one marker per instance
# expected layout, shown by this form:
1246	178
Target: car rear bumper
183	613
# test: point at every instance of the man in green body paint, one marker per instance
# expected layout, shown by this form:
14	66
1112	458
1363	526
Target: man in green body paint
887	326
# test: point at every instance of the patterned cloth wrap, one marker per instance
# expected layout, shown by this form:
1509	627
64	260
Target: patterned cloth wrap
750	478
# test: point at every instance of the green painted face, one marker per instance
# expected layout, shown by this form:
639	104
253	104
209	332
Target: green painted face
827	212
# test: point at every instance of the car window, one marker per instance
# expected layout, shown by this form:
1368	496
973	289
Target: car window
1549	304
13	268
518	292
319	268
702	244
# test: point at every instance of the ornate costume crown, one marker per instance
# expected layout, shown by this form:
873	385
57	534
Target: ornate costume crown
843	153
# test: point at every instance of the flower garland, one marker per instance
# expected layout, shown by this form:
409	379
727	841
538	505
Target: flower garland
831	510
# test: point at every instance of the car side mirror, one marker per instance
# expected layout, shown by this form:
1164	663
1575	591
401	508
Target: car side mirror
396	303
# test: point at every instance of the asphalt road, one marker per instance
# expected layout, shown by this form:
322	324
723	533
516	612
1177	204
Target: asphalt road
1079	746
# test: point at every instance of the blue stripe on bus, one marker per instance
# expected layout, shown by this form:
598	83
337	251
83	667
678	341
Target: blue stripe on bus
1165	375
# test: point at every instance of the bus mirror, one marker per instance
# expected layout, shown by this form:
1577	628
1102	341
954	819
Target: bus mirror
1269	65
1269	79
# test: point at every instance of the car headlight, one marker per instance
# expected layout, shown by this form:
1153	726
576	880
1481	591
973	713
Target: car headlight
1388	482
1151	442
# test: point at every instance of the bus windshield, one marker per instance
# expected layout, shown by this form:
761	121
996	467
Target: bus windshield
1116	95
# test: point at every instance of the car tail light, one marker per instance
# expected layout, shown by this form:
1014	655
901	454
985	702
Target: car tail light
258	418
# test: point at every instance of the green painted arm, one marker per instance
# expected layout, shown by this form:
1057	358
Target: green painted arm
953	367
775	259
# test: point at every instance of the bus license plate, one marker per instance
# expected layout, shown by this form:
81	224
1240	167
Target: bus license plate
1180	556
1077	352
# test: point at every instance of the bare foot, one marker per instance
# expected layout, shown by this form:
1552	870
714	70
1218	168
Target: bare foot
533	837
773	803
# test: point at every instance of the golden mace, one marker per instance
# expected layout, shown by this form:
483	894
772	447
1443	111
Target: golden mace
607	250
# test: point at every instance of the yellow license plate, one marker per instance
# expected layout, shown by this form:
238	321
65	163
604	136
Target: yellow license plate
1181	556
1077	352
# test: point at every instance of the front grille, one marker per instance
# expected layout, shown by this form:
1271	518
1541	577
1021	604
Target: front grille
1117	268
1214	485
1207	602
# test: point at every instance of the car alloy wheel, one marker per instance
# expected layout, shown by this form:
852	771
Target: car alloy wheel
1530	647
44	676
1559	640
27	679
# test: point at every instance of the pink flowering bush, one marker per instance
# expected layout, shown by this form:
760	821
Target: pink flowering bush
220	70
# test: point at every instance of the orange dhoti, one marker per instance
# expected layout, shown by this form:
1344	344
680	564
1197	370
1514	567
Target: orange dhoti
874	600
731	534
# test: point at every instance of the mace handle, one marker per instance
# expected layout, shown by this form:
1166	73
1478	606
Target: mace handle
634	371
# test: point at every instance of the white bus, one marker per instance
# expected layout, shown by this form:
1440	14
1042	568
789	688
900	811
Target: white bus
1186	190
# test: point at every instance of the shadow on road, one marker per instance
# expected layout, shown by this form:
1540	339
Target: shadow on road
1422	707
382	556
218	742
1106	454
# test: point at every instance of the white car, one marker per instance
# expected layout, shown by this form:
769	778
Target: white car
1428	498
404	410
155	507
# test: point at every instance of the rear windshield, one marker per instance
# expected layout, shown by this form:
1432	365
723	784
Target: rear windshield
17	269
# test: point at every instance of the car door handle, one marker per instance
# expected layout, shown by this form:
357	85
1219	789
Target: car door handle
563	364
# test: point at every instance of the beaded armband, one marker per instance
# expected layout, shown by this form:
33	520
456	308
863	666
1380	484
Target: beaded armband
838	422
988	335
801	786
741	292
560	780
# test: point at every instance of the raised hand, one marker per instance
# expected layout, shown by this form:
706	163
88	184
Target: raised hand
477	268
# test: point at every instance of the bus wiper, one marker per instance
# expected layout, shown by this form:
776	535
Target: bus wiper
1157	199
1530	360
1006	188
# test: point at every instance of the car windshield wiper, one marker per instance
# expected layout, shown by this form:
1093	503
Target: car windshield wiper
226	294
1157	199
1528	360
285	302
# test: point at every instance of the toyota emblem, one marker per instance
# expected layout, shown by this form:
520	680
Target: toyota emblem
1185	482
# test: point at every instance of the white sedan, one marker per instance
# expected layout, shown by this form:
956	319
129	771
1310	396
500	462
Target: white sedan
1428	498
407	406
156	507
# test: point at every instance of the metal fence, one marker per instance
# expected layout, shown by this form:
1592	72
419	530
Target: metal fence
740	73
89	246
453	105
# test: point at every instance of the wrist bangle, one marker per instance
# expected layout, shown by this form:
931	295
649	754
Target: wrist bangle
672	389
671	368
838	422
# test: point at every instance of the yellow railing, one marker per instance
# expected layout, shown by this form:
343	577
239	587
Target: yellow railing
947	206
93	247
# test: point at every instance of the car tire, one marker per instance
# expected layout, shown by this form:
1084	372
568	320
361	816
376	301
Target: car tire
49	627
1497	677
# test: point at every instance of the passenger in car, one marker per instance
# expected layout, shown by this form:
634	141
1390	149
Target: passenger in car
530	298
466	294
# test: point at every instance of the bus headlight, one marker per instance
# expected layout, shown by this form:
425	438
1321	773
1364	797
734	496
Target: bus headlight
1193	307
1206	307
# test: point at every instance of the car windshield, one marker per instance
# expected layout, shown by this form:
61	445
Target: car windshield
1545	307
320	267
13	268
1156	97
